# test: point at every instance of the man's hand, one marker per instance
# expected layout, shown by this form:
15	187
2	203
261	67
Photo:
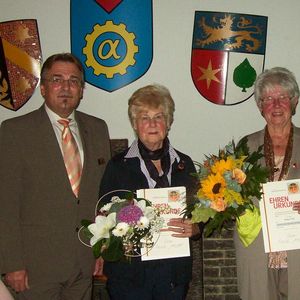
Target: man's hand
17	280
296	206
98	271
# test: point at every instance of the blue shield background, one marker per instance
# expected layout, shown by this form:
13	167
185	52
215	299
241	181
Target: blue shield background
94	31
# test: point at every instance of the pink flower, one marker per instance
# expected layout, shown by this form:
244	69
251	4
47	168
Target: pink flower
129	214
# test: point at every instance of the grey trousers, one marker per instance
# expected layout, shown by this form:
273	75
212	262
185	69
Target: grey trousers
278	284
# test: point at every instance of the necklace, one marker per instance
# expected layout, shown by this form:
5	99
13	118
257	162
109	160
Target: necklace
269	155
278	160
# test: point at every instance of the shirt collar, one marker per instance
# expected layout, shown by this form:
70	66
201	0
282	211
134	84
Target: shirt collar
55	117
134	152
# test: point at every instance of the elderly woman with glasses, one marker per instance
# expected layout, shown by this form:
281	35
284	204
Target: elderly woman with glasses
151	162
261	275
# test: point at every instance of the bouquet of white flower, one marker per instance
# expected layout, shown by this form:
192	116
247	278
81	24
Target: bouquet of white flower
122	227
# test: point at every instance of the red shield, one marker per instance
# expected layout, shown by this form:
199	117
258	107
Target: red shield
110	5
228	53
20	62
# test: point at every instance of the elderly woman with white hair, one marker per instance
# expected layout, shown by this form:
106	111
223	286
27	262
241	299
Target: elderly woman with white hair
151	162
271	276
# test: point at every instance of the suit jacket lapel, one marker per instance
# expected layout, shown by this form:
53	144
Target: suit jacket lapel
47	136
87	152
51	150
83	131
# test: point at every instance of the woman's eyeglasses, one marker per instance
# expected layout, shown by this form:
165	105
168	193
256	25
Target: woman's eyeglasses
281	99
158	118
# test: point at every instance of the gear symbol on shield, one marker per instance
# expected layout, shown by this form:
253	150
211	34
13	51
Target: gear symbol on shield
120	67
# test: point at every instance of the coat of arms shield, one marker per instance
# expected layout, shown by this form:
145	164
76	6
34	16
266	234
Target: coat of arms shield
20	62
113	40
228	53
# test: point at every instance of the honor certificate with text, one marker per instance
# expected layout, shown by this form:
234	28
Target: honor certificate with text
170	201
280	223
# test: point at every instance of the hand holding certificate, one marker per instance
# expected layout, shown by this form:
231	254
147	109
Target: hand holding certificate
280	222
170	202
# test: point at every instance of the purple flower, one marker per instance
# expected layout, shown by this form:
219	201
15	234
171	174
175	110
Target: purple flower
129	214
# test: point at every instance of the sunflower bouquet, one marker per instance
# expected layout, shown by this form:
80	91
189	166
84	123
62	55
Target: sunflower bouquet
122	227
228	182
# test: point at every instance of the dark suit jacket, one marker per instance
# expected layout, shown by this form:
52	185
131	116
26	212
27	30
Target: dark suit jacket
122	173
39	214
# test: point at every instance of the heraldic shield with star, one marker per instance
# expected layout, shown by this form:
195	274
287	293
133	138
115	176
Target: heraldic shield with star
228	53
113	39
20	62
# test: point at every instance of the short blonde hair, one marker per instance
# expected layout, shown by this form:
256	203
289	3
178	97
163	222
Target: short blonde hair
151	96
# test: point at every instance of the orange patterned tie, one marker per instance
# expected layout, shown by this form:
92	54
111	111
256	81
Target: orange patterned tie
71	156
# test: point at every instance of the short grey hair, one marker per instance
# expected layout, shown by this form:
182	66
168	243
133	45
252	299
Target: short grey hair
268	79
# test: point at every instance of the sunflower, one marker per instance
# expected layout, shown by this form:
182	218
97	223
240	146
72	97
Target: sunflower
222	165
213	187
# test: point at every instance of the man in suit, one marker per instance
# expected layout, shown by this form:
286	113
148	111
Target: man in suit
40	211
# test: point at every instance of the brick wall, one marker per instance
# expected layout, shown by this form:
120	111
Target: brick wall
219	267
196	286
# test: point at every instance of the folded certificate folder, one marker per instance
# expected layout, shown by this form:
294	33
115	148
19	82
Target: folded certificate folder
170	202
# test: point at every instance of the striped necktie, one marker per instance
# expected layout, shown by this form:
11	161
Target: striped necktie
71	156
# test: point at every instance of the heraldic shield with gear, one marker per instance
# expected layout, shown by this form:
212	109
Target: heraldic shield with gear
113	40
228	52
20	62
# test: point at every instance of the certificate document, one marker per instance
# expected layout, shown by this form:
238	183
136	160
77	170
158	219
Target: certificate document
280	223
170	202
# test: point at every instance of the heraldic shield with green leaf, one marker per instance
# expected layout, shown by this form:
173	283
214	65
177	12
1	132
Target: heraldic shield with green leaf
228	53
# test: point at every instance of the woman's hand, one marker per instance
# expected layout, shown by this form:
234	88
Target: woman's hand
183	227
296	206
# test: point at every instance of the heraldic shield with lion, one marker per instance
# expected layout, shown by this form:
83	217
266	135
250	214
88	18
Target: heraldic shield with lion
228	52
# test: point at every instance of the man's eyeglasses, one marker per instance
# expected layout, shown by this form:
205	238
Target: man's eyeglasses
158	118
270	100
59	81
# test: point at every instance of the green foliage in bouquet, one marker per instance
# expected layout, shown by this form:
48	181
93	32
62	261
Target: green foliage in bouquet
228	183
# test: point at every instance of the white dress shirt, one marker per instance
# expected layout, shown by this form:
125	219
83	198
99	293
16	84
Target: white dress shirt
58	128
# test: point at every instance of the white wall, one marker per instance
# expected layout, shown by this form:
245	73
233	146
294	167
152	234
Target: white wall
200	127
